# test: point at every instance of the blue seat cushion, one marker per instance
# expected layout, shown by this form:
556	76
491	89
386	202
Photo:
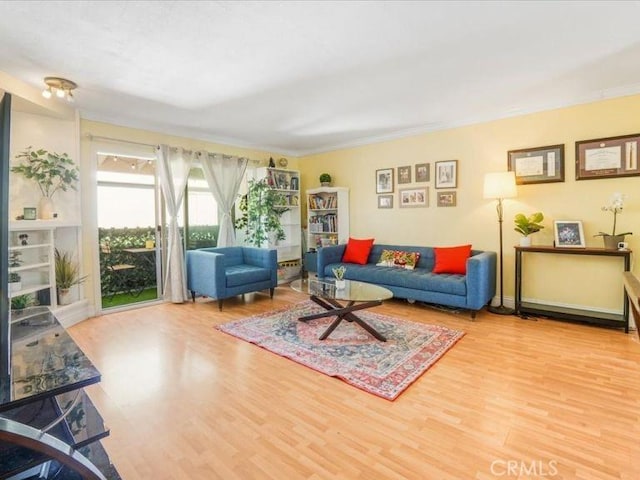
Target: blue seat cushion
245	274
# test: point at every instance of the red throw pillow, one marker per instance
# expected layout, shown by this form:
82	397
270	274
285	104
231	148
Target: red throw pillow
357	251
451	259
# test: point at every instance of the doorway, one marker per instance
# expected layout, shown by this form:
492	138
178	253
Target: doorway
128	202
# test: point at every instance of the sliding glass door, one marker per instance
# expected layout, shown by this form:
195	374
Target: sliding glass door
129	242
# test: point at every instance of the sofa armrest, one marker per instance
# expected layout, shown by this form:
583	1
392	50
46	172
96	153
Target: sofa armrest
329	255
262	257
481	279
206	273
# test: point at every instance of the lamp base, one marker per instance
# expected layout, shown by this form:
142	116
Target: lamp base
501	310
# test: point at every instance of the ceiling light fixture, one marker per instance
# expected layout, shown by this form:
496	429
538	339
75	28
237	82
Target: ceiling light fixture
61	86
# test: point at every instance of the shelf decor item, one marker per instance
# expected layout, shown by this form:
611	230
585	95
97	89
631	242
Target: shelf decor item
325	180
616	204
67	275
51	171
526	225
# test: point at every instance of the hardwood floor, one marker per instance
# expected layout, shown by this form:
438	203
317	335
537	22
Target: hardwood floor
513	399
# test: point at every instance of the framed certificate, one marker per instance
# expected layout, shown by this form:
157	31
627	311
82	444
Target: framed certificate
608	157
537	165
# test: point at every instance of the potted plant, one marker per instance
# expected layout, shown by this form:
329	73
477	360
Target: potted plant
51	171
67	275
325	180
339	272
526	225
261	209
616	203
15	281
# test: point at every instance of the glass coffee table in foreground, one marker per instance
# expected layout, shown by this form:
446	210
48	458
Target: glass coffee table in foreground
357	295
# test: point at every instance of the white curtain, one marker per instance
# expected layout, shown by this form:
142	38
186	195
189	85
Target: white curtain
224	176
173	166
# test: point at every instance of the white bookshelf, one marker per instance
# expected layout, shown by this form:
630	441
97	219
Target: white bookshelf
327	216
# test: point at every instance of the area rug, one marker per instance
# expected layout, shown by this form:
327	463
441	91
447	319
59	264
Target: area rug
350	353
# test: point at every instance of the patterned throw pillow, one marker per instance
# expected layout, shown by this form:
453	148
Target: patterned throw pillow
399	258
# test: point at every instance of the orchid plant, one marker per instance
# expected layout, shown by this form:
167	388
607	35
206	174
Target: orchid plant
616	204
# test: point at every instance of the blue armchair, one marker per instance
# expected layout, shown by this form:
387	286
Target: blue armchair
224	272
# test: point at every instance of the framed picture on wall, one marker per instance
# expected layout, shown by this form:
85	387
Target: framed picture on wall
607	157
384	180
414	197
568	234
404	175
422	172
447	174
385	201
537	165
446	198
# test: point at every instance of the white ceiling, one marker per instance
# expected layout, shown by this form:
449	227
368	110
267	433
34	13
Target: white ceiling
303	77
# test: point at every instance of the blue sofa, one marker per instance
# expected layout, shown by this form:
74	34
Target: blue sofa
224	272
471	291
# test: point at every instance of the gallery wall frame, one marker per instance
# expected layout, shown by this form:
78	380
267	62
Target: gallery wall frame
404	174
607	157
568	234
423	171
446	173
413	197
384	180
446	198
537	165
385	201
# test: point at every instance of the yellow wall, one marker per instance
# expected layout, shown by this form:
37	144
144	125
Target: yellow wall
482	148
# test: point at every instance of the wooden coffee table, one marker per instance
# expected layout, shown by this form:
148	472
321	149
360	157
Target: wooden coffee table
357	295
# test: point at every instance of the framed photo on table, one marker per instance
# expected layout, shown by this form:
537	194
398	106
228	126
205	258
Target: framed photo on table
447	174
537	165
568	234
607	157
384	180
414	197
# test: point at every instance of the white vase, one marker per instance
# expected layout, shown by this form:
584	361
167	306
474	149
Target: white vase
15	286
525	241
340	284
45	208
64	296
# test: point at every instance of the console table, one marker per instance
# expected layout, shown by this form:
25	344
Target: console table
524	309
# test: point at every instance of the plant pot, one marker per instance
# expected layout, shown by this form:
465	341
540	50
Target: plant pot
45	208
525	241
325	184
15	286
64	296
340	284
611	241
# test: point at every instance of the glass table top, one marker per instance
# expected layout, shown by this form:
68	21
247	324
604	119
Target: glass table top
352	292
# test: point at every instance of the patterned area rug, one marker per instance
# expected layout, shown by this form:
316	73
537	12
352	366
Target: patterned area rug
350	353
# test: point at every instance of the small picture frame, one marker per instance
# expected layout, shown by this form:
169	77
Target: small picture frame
446	198
608	157
29	213
414	197
423	172
568	234
404	175
384	180
537	165
447	174
385	201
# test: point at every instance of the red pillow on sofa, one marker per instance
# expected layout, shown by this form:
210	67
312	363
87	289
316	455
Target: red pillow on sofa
357	251
451	259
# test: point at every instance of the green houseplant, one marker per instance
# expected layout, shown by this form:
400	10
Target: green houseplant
67	275
15	281
325	180
526	225
51	171
262	208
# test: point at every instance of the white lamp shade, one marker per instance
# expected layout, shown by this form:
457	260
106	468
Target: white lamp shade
500	185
